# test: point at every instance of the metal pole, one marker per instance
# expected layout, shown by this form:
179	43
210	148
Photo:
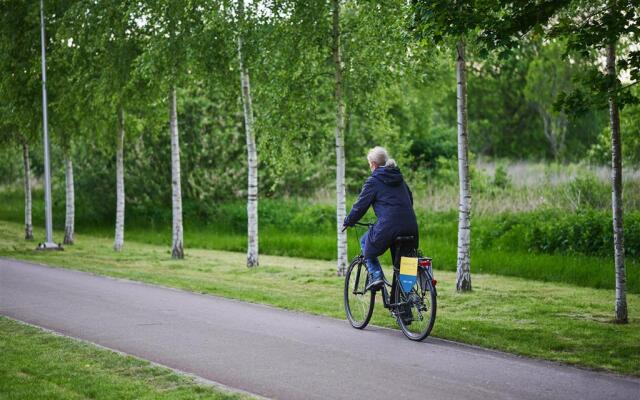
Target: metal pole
45	128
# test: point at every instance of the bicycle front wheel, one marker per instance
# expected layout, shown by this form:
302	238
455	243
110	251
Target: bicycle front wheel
416	310
358	302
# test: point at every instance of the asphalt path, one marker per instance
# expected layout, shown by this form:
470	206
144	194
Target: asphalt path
281	354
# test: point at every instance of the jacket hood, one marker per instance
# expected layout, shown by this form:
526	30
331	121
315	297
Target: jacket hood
388	175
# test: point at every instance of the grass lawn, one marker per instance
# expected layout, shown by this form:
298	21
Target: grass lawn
552	321
311	234
36	364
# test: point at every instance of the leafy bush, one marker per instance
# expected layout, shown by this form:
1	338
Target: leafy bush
588	232
441	142
501	177
587	191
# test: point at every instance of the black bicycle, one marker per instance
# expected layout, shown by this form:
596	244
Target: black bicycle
414	309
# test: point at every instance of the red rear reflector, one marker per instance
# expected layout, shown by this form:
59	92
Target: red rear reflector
425	263
434	282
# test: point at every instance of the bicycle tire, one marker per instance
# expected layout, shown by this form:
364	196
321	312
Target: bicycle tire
420	325
362	302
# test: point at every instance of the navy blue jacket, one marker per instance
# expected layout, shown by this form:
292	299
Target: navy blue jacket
392	203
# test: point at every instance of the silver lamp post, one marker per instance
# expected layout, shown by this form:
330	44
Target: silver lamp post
48	244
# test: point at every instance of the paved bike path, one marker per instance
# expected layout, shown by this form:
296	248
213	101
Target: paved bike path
277	353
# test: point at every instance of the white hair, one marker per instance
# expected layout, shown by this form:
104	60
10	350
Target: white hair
380	156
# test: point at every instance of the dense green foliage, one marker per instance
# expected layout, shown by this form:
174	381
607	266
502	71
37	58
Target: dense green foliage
552	231
399	94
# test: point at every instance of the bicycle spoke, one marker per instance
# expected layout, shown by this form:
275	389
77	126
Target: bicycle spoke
418	316
358	302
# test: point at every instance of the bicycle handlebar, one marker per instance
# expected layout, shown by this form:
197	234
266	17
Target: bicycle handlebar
365	224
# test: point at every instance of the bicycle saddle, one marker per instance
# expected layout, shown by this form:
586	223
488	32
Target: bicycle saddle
405	239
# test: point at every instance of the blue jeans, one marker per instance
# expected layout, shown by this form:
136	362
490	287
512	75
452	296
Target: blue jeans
373	265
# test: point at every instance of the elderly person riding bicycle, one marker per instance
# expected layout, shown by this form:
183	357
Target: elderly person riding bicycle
392	203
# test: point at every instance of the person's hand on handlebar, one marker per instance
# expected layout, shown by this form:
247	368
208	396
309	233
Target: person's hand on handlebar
345	224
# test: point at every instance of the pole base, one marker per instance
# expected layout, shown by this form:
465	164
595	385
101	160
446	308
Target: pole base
49	246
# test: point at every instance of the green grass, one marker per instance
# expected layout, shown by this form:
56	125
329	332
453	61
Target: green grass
546	320
36	364
576	269
302	228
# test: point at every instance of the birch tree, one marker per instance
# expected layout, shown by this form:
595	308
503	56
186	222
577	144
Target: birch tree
173	31
20	87
616	184
588	26
341	208
69	221
449	24
105	40
177	246
120	199
252	153
67	95
28	224
607	24
463	269
367	51
66	128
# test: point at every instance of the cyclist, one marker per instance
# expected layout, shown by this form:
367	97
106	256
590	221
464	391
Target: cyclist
392	203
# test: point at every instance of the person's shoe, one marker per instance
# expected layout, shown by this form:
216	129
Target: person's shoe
375	281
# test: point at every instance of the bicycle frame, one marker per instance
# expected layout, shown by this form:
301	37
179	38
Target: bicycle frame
386	295
418	304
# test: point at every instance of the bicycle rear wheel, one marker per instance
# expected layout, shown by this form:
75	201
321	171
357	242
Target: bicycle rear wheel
416	314
358	303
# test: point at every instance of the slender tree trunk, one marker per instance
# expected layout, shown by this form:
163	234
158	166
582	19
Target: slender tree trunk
616	193
252	154
177	250
463	274
341	211
560	129
70	202
119	240
28	224
549	133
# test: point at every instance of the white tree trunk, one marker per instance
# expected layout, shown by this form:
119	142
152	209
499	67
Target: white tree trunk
28	224
177	250
548	132
120	200
463	271
555	129
70	202
616	194
341	211
252	154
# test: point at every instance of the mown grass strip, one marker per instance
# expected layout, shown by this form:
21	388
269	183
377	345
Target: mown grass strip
36	364
546	320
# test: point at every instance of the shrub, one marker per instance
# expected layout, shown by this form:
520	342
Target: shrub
587	191
587	232
501	178
440	142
